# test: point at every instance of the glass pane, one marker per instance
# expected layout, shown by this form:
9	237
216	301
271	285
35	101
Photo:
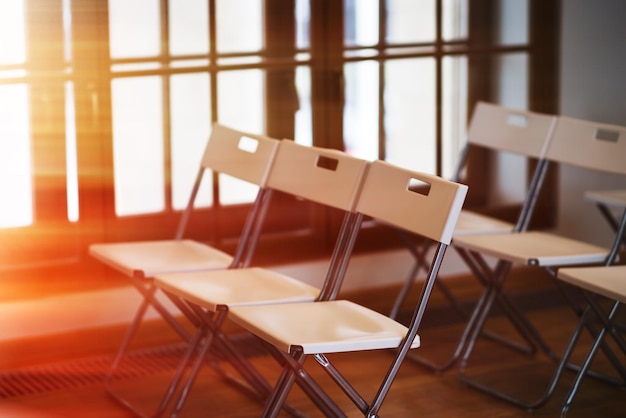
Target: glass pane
510	90
15	157
410	21
67	30
512	21
190	114
361	22
234	191
454	113
410	113
134	28
239	25
304	128
455	19
303	27
360	115
12	32
240	104
511	80
138	145
70	154
188	27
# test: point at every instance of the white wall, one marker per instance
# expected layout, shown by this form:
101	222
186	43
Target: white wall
593	87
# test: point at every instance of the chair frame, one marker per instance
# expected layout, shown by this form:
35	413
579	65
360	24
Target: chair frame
606	317
293	359
509	143
209	321
560	151
242	257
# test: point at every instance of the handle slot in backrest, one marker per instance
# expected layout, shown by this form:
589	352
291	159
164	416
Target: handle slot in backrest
327	163
516	119
606	135
418	186
248	144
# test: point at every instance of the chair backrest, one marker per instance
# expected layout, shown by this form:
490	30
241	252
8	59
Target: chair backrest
321	175
420	203
325	176
517	131
591	145
239	154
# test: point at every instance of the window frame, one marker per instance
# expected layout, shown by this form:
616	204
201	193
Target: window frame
316	227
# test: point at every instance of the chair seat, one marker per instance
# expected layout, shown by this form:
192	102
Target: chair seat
322	327
149	258
607	281
615	198
236	287
534	248
471	223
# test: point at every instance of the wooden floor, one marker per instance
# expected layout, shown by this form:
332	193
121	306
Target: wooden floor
416	392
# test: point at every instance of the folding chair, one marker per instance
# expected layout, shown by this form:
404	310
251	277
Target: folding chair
333	326
502	130
608	281
575	142
242	155
323	176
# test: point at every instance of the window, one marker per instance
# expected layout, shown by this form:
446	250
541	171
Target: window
105	107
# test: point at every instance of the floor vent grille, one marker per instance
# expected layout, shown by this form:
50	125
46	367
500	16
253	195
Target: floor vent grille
93	370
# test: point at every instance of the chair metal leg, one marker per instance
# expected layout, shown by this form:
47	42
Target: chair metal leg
440	368
283	386
193	373
254	386
194	345
562	364
410	281
148	292
420	263
551	386
610	355
482	272
342	382
584	368
404	291
212	337
302	379
495	278
493	290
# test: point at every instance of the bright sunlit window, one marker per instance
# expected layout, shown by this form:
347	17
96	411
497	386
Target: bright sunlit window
15	153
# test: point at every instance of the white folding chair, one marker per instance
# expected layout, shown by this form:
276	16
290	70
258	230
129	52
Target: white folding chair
505	131
333	326
327	177
241	155
608	282
575	142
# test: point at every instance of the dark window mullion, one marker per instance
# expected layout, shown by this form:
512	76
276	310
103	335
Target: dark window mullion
280	43
381	46
481	22
165	83
438	87
327	72
544	88
47	107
